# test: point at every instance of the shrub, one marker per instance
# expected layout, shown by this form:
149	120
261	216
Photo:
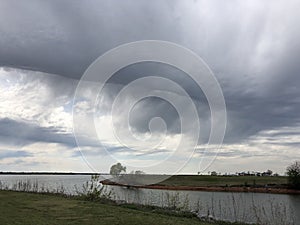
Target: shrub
293	172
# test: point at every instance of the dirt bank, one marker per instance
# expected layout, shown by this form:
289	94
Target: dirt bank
272	190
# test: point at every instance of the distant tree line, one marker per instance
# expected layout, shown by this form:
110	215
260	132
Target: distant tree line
258	174
117	170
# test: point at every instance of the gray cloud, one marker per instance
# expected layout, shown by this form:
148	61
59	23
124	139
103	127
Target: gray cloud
254	57
22	133
4	154
64	37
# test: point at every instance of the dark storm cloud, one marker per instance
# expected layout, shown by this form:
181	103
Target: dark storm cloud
249	113
254	51
151	107
21	133
64	37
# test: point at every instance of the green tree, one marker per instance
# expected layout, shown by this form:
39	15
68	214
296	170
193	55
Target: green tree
214	173
269	172
117	169
293	172
137	172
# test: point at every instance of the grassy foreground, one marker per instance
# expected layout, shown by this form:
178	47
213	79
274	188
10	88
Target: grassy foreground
28	208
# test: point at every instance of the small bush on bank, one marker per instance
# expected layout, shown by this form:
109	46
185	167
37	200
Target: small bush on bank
293	172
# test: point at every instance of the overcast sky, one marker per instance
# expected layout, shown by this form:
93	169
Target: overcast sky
252	47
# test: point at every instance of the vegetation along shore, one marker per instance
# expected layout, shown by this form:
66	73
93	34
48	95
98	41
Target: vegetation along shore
269	184
33	208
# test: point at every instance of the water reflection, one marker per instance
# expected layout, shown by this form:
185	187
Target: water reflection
246	207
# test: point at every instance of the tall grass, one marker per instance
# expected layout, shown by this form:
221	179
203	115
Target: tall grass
33	187
93	190
233	208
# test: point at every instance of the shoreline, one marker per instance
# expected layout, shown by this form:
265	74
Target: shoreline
37	208
50	173
269	190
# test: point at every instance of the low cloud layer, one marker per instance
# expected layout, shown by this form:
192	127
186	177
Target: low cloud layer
252	48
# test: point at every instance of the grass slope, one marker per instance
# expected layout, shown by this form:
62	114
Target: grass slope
27	208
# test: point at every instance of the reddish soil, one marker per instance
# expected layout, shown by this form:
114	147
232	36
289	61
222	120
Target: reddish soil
272	190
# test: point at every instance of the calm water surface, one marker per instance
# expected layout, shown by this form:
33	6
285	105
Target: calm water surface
246	207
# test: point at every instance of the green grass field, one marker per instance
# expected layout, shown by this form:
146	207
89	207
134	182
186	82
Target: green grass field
28	208
206	181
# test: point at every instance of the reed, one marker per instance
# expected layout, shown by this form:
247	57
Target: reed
93	190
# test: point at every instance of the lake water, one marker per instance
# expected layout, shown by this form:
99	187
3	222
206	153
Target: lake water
272	209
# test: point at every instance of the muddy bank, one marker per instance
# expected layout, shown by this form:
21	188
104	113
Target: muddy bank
271	190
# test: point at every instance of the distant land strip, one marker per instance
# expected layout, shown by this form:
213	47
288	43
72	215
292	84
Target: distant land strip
50	173
269	190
